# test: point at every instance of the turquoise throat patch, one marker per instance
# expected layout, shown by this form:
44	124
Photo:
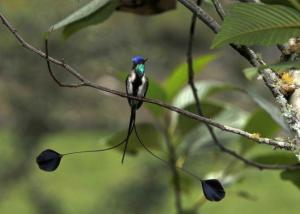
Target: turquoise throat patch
140	69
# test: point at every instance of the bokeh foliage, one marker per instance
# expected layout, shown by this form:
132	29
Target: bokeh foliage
35	114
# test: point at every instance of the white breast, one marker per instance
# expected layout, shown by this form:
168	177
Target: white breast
142	87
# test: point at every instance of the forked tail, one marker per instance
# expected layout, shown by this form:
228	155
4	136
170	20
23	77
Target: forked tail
130	128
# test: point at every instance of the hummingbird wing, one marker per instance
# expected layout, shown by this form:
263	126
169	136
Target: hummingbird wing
130	90
142	90
129	84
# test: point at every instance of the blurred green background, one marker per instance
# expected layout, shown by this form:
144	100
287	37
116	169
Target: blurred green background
36	114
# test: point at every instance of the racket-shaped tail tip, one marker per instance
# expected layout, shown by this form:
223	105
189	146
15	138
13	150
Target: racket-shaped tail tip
213	190
48	160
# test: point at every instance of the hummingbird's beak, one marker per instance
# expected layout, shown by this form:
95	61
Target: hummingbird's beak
145	60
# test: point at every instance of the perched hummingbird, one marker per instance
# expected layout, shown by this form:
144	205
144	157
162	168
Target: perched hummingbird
136	85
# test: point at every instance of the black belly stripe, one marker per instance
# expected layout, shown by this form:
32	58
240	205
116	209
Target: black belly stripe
136	84
135	88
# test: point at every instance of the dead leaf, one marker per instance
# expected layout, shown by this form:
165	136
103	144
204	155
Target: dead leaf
146	7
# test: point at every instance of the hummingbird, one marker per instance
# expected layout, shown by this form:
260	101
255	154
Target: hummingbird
136	85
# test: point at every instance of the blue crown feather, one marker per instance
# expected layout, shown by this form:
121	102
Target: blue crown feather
138	60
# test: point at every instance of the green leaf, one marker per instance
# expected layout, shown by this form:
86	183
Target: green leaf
204	89
179	77
252	72
279	2
290	3
275	157
283	66
209	109
291	175
197	138
258	24
260	122
197	145
148	133
156	91
208	88
92	13
295	4
269	107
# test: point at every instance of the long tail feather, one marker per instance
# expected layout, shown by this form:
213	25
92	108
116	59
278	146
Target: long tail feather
130	128
162	160
212	188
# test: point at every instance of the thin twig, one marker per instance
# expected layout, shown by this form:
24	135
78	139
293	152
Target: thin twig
53	75
86	83
191	82
175	175
219	8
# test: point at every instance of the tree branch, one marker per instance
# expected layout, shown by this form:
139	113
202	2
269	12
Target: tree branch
219	8
191	82
271	79
86	83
